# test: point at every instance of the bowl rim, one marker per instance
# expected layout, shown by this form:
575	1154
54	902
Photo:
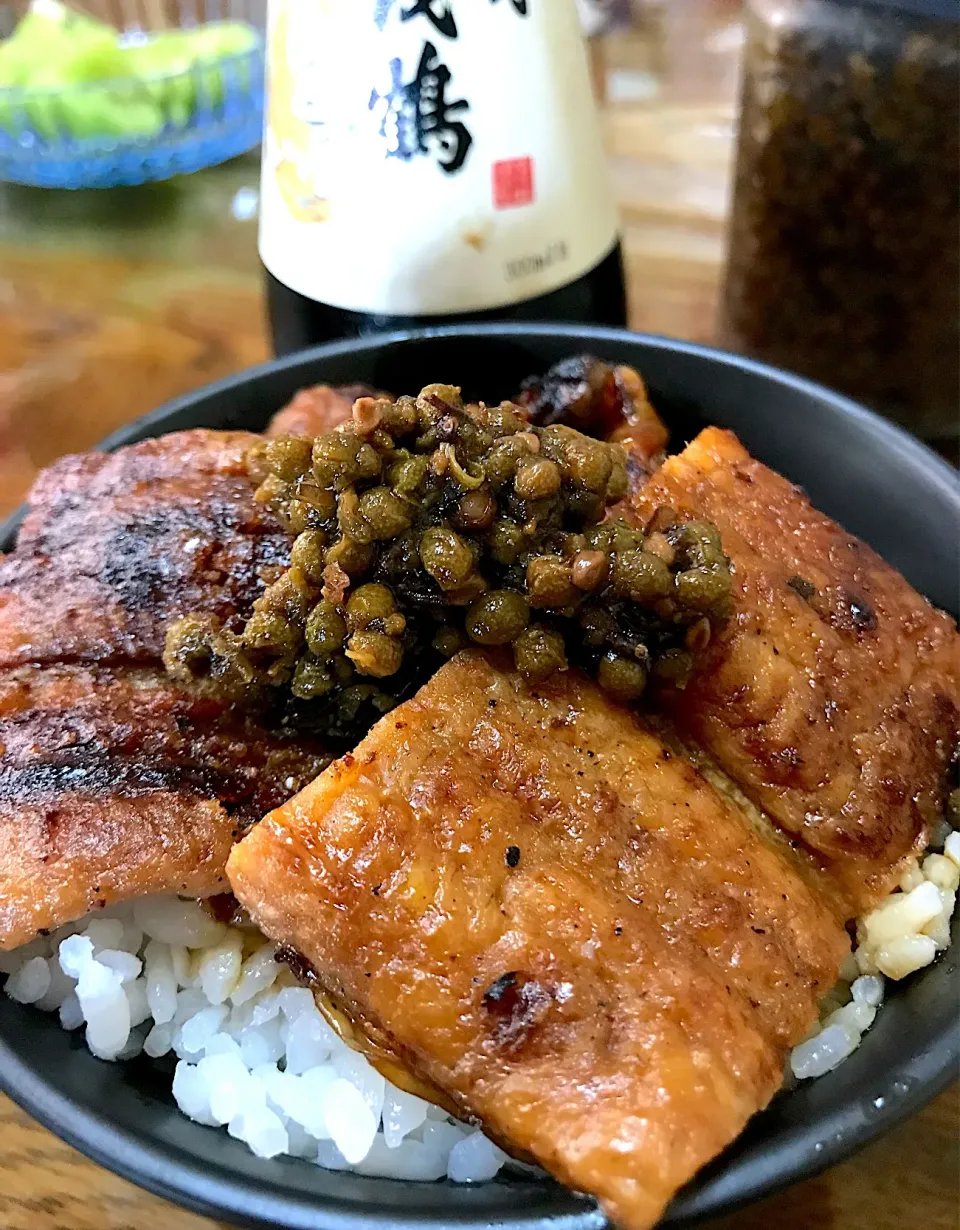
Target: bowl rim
896	436
812	1146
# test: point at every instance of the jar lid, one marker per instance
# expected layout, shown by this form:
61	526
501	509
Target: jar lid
940	10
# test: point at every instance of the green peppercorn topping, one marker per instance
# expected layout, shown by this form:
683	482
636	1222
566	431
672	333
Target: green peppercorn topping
477	511
624	677
325	630
550	582
446	557
311	679
426	525
536	478
371	604
449	640
375	653
288	456
497	618
588	569
387	514
539	653
640	576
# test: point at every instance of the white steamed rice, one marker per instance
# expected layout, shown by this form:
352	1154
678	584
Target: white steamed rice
903	934
254	1053
256	1056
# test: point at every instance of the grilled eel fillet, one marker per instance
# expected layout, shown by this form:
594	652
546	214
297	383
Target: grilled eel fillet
114	782
832	697
561	925
116	545
317	410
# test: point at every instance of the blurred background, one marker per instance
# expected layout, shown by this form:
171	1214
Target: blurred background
115	298
787	181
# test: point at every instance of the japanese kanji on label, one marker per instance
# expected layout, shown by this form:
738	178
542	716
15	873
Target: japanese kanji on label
418	118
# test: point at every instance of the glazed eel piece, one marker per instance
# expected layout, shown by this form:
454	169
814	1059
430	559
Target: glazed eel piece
832	695
114	782
540	910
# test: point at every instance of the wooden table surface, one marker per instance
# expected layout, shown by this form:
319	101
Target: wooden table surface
112	302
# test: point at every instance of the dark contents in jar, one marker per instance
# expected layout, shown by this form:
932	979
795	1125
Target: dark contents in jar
845	238
424	526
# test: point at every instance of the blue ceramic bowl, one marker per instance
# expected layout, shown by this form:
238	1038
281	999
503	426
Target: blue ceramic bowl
129	131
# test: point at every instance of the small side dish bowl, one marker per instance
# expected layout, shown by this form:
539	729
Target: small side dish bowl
877	481
131	130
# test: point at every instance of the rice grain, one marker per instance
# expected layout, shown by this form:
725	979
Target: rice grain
256	1056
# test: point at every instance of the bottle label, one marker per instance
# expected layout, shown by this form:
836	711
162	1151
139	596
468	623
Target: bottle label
430	157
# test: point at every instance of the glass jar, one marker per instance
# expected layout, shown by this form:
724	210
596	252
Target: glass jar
844	259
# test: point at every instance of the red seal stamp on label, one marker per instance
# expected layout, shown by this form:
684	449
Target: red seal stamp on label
512	182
